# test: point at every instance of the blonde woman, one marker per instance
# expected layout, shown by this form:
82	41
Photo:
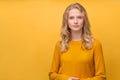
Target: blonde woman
78	56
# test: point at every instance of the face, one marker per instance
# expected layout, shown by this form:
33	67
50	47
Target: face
75	20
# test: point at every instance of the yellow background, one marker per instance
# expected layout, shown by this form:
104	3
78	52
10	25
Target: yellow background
29	30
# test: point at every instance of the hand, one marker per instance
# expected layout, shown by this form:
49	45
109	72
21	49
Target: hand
73	78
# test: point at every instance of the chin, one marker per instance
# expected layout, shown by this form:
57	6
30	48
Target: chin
76	29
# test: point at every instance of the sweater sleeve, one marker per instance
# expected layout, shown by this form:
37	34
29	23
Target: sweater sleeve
99	63
53	74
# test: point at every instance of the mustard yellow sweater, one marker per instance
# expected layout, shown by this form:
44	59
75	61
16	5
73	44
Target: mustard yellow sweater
77	62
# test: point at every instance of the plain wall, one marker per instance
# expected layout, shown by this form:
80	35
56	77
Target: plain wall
29	30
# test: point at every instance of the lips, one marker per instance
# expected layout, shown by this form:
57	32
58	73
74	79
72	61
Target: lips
75	26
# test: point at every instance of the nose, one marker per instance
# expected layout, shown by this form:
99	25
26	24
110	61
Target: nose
75	21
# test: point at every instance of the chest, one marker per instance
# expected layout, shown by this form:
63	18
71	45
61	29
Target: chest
76	54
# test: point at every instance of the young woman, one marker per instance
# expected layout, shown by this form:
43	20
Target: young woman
78	56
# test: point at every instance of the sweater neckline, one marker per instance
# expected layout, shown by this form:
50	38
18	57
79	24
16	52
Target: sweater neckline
76	42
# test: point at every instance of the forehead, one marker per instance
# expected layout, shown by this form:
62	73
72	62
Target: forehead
75	11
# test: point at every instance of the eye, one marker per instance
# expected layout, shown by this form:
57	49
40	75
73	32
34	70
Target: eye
80	17
71	17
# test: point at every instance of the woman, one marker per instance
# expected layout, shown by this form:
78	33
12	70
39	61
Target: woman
78	56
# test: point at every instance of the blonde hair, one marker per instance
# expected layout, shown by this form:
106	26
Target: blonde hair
65	31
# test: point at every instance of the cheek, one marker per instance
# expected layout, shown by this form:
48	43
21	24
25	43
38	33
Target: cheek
70	22
81	21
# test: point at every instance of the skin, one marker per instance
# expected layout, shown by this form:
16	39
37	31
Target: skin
75	23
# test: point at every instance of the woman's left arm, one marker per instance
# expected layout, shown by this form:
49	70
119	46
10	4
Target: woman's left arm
99	63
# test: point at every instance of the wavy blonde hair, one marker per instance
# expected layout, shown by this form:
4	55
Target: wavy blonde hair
87	40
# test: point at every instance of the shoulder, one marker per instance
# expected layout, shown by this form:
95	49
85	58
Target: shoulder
57	48
96	43
58	44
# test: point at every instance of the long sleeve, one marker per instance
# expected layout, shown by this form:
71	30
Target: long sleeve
99	63
53	74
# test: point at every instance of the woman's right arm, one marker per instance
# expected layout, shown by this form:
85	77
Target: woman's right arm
53	74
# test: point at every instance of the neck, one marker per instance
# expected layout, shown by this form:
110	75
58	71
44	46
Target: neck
76	35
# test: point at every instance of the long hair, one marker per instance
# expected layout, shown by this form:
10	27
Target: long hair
87	40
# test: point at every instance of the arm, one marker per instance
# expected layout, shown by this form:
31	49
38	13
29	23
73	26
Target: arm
99	63
53	74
